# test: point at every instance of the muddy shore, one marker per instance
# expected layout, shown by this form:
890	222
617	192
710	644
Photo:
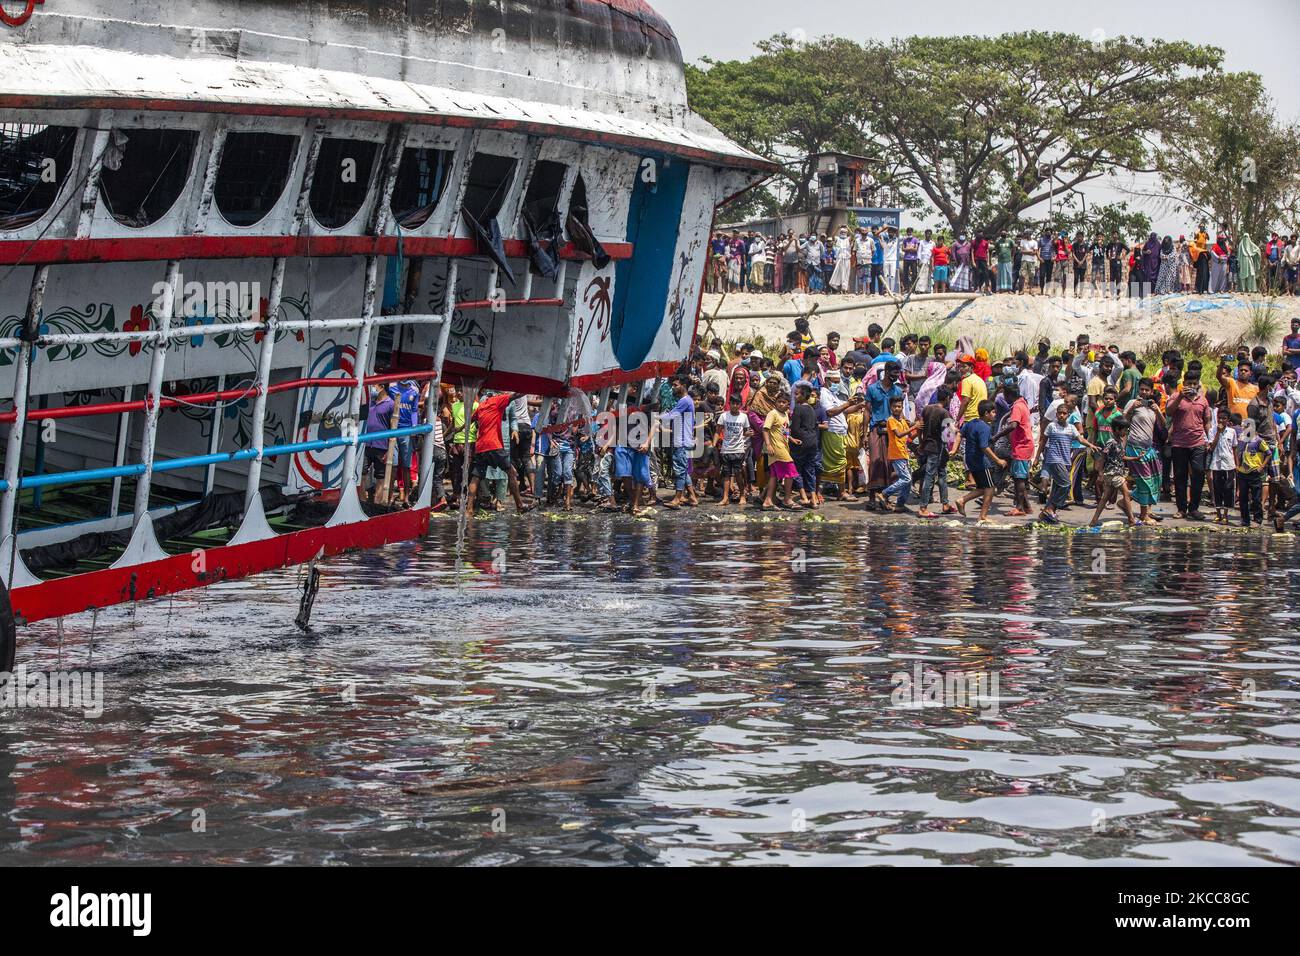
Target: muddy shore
1074	520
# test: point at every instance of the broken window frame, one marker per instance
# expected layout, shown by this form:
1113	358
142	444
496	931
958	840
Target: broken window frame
418	216
169	169
495	190
555	168
579	190
65	158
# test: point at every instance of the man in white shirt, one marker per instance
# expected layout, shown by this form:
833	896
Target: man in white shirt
864	246
889	239
757	260
924	254
1028	267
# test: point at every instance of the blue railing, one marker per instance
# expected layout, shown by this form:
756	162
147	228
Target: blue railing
176	464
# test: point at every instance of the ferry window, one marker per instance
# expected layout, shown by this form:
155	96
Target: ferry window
489	180
342	180
153	167
34	163
543	197
421	180
578	202
254	168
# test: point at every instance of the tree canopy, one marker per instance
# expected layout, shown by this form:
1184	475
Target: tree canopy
1234	161
980	129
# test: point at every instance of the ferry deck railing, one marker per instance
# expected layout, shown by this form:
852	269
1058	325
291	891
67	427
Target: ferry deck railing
13	481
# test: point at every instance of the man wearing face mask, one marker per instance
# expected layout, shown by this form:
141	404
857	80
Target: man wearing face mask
743	351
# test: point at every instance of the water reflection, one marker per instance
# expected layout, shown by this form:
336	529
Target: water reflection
637	692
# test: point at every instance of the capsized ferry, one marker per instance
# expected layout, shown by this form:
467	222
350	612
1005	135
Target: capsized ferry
221	220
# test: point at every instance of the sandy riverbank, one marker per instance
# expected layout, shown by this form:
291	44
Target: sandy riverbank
1009	321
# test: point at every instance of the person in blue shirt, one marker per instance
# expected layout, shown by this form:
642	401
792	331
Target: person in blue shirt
1291	346
793	368
379	415
681	421
879	394
886	354
978	436
406	395
882	391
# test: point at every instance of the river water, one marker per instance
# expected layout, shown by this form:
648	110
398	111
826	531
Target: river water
632	692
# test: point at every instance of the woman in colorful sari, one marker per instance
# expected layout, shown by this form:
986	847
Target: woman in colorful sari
1144	466
960	273
761	401
1167	276
834	438
738	383
735	263
1186	274
856	420
1219	265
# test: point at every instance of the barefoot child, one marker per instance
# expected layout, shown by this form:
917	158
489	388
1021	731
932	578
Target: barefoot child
1223	463
978	436
780	466
733	437
1057	454
1114	473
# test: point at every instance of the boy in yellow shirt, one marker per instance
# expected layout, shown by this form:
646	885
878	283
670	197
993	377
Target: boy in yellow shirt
899	431
776	442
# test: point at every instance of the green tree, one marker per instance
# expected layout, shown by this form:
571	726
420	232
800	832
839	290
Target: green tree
787	103
1234	160
988	127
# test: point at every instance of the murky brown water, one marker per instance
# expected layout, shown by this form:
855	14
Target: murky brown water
658	693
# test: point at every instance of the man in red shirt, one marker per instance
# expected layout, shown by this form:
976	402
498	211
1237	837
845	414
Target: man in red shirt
490	449
1022	448
1061	259
1189	414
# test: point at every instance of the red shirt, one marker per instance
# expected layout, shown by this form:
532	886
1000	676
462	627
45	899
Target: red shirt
939	255
1022	438
488	415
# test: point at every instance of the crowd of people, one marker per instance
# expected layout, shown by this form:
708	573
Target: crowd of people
881	261
885	423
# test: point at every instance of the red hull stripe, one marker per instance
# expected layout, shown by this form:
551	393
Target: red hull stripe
38	101
96	589
162	248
